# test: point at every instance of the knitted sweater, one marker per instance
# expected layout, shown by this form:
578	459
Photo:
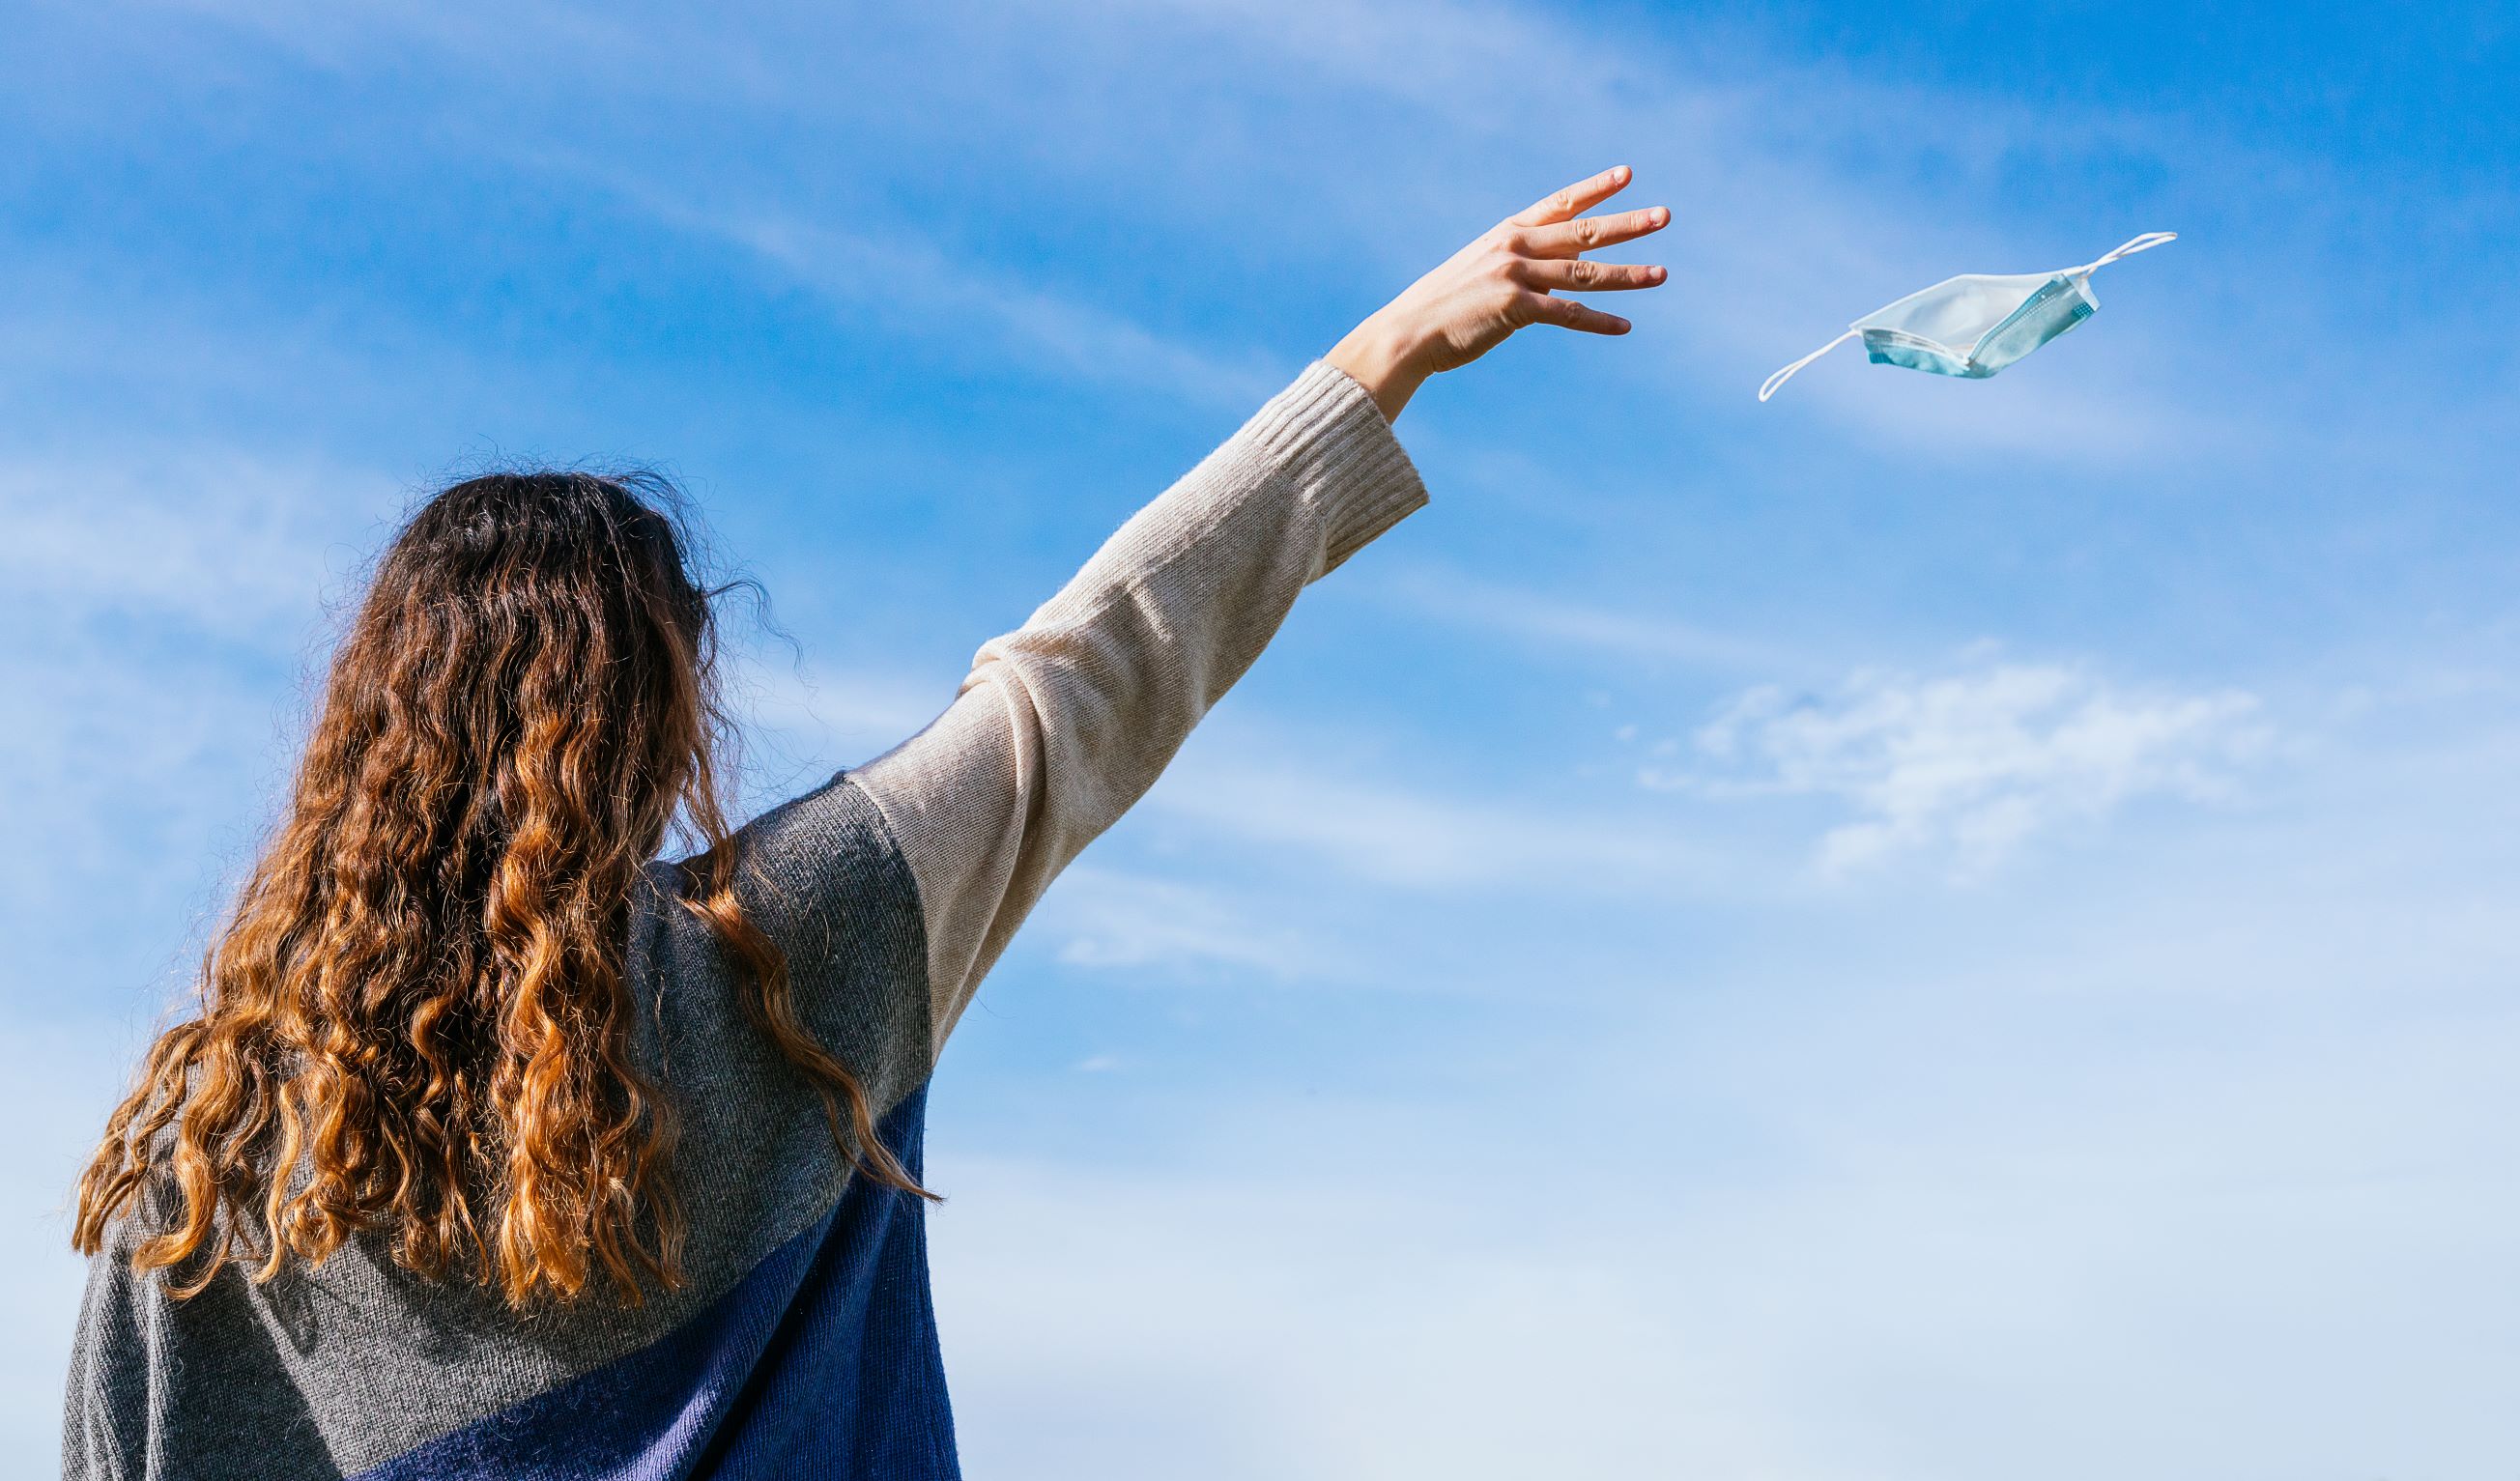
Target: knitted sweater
803	1342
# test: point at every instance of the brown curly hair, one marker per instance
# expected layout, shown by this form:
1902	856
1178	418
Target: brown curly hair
416	1020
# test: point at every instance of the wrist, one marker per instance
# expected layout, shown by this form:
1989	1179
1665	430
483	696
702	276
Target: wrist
1381	360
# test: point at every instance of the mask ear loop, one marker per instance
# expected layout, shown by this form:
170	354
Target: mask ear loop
2144	244
1773	382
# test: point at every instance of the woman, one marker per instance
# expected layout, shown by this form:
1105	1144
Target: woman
499	1147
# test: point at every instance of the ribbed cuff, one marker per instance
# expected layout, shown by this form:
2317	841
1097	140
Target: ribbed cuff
1328	433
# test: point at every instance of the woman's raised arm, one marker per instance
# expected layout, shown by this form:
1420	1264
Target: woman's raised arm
1066	722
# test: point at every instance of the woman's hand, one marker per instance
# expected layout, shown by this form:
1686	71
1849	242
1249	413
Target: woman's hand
1508	278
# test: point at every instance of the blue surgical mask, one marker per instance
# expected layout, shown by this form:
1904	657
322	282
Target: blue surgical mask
1978	323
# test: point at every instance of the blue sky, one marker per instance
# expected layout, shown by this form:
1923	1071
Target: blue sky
1923	929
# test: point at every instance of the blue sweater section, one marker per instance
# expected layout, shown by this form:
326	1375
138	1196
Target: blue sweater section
823	1361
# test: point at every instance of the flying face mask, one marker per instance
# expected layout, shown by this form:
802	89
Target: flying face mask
1978	323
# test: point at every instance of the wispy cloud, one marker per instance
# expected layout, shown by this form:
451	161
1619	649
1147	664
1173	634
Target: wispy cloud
1545	620
62	1078
1387	833
1776	245
916	290
1118	920
1205	1348
209	538
1968	765
799	721
162	606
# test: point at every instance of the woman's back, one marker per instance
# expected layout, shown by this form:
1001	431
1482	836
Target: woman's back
800	1327
797	1277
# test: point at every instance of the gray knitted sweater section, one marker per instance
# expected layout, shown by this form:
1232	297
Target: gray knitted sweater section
330	1371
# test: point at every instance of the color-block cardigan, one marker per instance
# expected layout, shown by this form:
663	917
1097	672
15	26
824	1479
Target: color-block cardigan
803	1343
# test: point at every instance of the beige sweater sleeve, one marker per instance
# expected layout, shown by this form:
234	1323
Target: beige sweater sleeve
1066	722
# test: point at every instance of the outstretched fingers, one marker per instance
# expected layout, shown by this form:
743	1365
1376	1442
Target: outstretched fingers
1549	258
1574	199
1583	275
1566	313
1569	238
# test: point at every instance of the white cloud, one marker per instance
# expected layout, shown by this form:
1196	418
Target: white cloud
60	1079
1973	764
1962	1235
210	539
1112	918
1541	618
799	721
1776	243
1387	833
162	604
1273	1325
919	291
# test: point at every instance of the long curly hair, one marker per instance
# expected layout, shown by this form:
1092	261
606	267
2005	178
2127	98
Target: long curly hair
416	1020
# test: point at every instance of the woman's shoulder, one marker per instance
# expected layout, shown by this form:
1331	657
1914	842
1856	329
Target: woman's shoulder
820	877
